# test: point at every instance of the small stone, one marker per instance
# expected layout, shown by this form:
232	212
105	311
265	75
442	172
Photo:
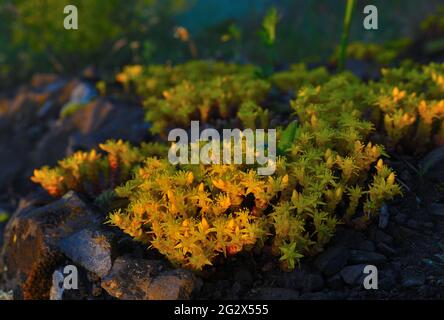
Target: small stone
387	279
234	292
176	284
403	233
332	260
335	282
359	256
140	279
413	281
90	249
429	225
413	224
432	164
400	218
366	245
384	216
405	176
243	276
83	93
380	236
304	280
353	275
386	249
437	209
412	278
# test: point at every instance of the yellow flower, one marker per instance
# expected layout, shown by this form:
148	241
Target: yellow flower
391	179
122	78
182	34
220	184
190	177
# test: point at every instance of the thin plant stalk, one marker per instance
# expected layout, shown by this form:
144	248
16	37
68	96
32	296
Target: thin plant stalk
345	33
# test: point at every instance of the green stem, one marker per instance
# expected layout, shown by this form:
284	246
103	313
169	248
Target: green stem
345	33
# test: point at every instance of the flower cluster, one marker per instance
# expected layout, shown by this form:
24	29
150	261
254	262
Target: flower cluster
410	108
92	172
197	90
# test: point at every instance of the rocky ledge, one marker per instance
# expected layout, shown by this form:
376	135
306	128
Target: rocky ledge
41	240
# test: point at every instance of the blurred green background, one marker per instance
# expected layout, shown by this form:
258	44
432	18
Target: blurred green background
113	33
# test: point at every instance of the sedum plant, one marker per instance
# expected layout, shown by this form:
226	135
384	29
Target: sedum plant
92	172
194	213
220	97
384	54
433	25
297	76
410	108
330	174
332	158
253	116
198	90
153	80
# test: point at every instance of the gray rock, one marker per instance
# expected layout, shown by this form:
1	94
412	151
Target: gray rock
400	218
386	249
437	209
83	93
380	236
366	245
387	279
359	256
139	279
412	278
335	282
30	253
52	146
90	249
45	109
384	216
353	275
413	224
176	284
243	276
428	225
302	279
431	164
101	120
332	260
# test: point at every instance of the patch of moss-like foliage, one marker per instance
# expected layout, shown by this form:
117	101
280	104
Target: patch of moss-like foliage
330	170
198	90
